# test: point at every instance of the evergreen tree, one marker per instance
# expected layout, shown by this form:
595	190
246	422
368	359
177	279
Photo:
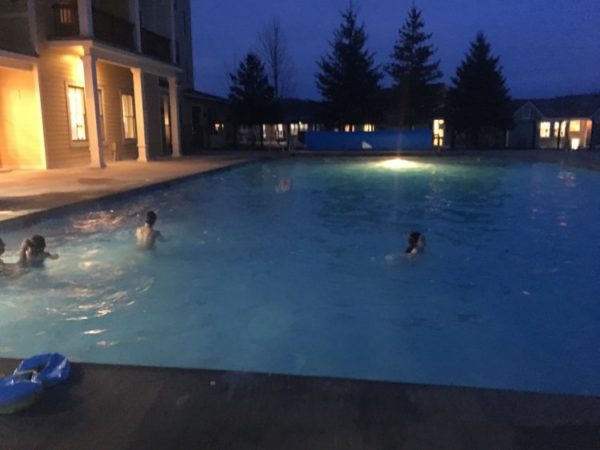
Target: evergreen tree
250	95
415	90
478	101
348	79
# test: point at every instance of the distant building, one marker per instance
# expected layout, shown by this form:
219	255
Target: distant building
568	123
206	122
83	82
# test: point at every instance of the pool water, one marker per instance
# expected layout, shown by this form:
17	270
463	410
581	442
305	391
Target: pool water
310	279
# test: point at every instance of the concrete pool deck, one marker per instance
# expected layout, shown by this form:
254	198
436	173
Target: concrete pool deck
116	407
30	193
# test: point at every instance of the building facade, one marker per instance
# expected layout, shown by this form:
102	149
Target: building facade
562	123
84	82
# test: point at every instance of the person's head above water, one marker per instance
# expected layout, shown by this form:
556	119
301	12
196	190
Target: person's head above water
416	242
2	246
37	243
150	218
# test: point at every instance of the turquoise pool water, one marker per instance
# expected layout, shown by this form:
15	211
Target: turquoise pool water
307	281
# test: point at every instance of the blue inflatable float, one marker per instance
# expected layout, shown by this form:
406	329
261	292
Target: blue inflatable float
26	385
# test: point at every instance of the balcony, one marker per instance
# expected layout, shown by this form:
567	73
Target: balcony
107	27
66	21
113	30
156	45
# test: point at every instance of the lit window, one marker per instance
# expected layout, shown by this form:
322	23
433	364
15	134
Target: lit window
77	113
349	128
438	132
575	143
369	128
302	126
128	116
575	126
544	129
560	127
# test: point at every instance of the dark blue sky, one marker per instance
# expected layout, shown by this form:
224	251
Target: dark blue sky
546	47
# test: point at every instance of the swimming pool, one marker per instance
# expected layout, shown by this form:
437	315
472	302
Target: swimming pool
307	281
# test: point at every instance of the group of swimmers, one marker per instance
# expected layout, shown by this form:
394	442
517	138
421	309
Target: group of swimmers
32	252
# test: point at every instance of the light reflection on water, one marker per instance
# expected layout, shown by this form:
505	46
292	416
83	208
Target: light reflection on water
312	280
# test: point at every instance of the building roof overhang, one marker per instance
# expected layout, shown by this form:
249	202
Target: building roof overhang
19	61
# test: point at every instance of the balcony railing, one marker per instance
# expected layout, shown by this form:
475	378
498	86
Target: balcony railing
113	30
66	20
156	45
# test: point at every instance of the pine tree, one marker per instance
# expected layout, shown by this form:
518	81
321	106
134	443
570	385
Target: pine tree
348	78
478	101
415	90
250	95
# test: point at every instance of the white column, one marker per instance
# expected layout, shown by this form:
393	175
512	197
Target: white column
173	34
134	17
174	108
92	111
86	18
140	114
38	101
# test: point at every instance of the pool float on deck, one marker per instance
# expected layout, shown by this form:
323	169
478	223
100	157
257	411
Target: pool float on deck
26	385
49	369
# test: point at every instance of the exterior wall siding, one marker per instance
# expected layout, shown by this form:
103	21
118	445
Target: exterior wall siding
152	102
114	81
58	71
21	135
14	27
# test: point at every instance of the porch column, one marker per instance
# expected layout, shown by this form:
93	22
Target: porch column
92	111
174	108
134	17
86	18
173	34
140	114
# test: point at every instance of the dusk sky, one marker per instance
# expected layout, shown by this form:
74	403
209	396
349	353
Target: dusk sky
546	47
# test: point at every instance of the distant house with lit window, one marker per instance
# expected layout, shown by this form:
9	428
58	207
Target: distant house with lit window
207	123
83	82
567	123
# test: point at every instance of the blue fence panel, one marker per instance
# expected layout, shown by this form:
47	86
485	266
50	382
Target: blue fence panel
378	140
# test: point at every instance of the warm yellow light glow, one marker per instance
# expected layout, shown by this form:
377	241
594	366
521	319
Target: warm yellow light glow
369	128
575	126
438	132
400	164
575	143
544	129
75	68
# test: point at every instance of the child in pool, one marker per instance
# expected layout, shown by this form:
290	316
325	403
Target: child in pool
146	235
33	252
416	244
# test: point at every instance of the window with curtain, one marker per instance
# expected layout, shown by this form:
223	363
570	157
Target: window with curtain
76	102
128	116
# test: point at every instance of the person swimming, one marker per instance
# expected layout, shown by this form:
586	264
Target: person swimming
284	185
146	235
416	243
33	252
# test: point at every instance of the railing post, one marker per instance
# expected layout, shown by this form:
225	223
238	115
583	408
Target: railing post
174	107
140	114
86	18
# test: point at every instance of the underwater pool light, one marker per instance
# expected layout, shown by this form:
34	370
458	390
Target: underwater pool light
400	164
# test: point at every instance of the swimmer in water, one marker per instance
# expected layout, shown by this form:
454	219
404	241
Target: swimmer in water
33	252
146	235
284	185
416	244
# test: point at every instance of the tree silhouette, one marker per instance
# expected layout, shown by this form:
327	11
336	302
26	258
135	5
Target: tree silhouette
478	101
348	78
250	95
415	91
